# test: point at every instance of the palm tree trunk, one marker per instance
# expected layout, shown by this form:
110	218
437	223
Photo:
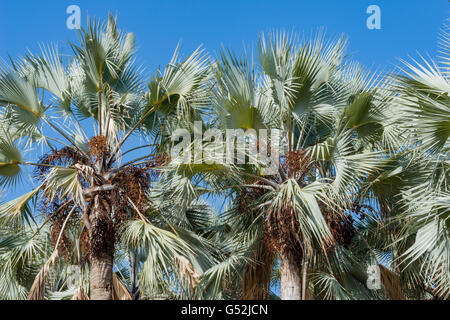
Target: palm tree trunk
290	279
101	256
101	277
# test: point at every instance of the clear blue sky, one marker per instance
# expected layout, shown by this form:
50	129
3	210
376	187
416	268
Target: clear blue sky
407	25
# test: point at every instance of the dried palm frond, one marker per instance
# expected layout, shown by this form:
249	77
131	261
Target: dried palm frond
80	294
187	271
257	274
38	288
391	282
119	291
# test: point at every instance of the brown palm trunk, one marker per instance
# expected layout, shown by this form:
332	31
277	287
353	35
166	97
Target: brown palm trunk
290	279
101	277
101	256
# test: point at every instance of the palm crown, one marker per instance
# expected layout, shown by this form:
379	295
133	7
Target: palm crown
361	174
82	176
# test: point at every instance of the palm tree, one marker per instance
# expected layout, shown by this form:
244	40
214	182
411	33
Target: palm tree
331	117
408	193
425	106
176	252
88	178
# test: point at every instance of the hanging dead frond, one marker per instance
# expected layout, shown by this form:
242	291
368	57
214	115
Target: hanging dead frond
119	291
65	244
391	282
187	271
257	273
38	288
80	294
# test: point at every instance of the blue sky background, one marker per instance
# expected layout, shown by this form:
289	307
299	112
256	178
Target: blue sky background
407	25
